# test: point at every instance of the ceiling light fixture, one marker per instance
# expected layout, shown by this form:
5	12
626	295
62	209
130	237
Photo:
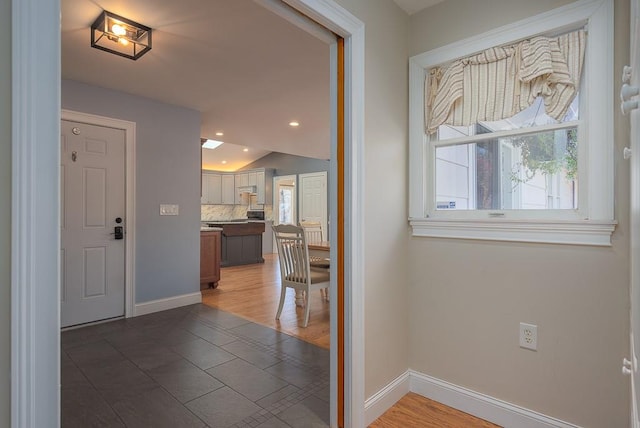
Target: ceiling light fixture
211	144
294	124
120	36
219	134
245	150
224	161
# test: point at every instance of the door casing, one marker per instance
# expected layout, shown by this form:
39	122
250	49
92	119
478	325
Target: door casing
129	129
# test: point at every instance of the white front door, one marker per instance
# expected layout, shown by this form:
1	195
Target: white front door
635	212
92	176
313	199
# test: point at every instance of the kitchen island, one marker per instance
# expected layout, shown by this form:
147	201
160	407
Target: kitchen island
241	241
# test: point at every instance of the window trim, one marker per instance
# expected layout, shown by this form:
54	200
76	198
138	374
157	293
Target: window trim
596	222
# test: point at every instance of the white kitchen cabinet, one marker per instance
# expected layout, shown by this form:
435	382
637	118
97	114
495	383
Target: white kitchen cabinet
211	188
260	189
252	178
220	187
228	189
242	180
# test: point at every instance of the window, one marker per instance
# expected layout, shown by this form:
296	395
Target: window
542	172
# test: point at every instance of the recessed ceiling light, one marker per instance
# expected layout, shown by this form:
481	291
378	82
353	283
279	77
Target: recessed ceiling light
294	123
211	144
224	161
245	150
219	134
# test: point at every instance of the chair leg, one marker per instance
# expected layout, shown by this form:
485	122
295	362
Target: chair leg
283	293
306	314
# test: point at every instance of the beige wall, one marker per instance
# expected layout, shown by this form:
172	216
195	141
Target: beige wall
5	212
467	297
385	228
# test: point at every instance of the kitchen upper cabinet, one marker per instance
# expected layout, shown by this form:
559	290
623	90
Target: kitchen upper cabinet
224	187
252	178
242	180
211	188
228	189
260	183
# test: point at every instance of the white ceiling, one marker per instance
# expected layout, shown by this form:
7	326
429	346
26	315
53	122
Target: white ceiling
247	70
413	6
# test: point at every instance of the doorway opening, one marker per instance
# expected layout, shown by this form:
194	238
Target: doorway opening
35	123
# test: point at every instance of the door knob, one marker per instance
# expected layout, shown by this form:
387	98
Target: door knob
626	153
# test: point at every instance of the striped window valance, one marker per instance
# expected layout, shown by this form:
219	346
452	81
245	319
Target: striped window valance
502	81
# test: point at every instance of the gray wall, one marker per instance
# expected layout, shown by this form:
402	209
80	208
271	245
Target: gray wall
5	213
167	171
385	225
285	164
467	298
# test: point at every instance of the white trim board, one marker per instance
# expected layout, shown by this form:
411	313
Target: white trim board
167	303
384	399
340	21
466	400
129	129
35	226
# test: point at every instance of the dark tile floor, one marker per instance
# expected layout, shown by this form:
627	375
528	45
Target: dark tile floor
194	366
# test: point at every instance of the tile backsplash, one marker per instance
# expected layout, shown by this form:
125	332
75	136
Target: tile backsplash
229	212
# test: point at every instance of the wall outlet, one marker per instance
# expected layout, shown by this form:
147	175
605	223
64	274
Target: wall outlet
529	336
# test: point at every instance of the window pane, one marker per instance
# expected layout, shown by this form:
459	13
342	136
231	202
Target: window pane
534	171
285	210
528	118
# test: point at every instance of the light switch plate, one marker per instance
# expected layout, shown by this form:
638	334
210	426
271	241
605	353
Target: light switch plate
169	209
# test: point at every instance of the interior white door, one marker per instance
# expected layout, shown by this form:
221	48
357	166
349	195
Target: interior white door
313	199
634	81
92	254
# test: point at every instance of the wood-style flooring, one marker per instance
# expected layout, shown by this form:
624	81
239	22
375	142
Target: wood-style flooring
253	292
414	410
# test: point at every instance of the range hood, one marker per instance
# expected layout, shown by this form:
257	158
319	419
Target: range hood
247	189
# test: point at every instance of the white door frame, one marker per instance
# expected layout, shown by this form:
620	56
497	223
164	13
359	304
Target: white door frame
35	245
129	129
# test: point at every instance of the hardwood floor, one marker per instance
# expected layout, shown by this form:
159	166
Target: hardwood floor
253	292
414	410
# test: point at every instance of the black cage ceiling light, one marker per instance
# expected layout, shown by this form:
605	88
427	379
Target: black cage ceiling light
120	36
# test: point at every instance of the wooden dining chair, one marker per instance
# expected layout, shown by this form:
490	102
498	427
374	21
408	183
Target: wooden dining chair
312	230
313	233
295	270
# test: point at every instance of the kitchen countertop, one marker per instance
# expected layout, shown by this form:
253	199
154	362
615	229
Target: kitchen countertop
210	229
239	221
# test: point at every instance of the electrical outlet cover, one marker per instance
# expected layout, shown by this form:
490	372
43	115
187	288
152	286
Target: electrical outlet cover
529	336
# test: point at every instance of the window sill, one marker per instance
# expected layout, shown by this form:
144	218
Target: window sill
586	232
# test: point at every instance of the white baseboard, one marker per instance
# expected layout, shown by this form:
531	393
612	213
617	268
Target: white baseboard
168	303
477	404
382	400
483	406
